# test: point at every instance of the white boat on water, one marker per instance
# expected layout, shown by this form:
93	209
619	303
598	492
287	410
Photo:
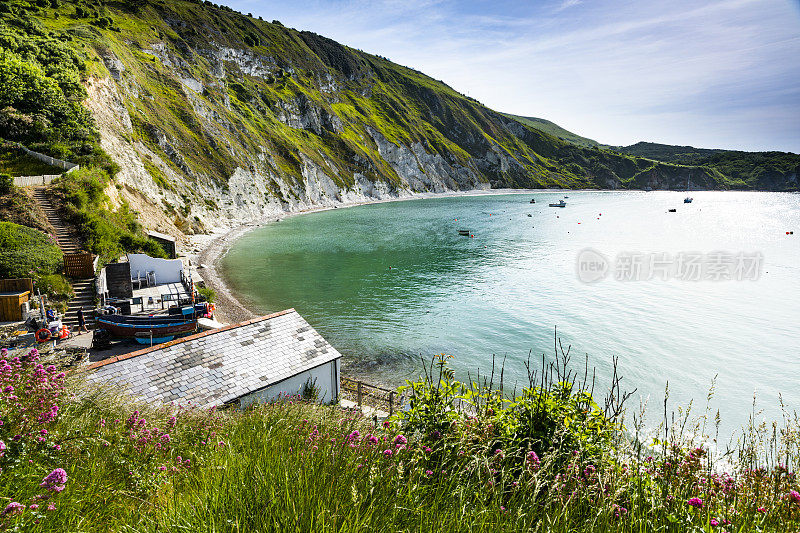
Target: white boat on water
561	203
688	199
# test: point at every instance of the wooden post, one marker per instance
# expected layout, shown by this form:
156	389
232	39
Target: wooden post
358	394
391	403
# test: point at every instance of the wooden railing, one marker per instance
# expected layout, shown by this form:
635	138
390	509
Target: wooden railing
367	394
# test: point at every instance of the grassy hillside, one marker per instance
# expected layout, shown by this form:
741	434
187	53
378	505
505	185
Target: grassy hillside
205	111
199	115
555	130
78	458
767	170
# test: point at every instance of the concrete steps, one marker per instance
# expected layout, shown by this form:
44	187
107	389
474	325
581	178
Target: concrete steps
69	244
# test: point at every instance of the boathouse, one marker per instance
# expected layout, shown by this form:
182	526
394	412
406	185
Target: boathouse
255	361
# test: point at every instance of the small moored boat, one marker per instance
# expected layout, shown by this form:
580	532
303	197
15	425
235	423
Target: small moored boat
688	200
561	203
463	232
143	327
533	201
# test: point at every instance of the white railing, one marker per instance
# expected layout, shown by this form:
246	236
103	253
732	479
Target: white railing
52	161
30	181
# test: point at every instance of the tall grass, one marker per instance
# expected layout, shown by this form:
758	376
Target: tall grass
461	459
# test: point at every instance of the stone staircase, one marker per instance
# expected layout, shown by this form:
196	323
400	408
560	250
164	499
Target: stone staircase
69	244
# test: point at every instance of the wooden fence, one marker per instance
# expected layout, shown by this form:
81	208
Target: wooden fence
80	265
16	285
13	293
366	394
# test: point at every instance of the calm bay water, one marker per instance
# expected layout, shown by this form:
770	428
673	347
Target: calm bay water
504	291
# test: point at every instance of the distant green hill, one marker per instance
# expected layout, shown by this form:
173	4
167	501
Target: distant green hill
771	170
554	129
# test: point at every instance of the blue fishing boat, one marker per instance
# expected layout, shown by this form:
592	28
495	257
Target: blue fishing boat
147	327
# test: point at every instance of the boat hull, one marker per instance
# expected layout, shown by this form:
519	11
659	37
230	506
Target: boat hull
133	327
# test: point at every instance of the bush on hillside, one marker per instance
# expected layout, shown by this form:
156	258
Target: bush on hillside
26	252
6	184
56	286
106	233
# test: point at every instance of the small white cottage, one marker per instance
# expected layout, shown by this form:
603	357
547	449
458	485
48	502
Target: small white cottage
255	361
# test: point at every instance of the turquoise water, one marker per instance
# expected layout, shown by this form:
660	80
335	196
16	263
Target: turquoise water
502	292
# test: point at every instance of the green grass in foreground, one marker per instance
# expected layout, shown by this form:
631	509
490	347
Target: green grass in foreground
550	460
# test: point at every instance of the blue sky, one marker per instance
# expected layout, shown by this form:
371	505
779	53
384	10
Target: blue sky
719	74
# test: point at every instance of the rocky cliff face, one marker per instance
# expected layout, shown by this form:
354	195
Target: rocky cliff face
214	118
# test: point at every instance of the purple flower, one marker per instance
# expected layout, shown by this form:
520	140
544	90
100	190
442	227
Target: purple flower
387	453
400	439
695	502
714	522
55	480
532	458
33	506
794	495
13	508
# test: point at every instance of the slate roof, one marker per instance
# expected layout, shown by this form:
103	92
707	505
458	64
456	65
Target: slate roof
220	365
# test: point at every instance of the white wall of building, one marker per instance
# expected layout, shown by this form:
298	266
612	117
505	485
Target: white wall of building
325	377
167	270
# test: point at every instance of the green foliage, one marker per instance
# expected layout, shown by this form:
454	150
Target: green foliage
6	184
551	415
760	170
26	252
56	286
207	294
108	233
295	465
15	162
41	89
555	130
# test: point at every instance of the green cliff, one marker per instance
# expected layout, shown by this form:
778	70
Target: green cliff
204	115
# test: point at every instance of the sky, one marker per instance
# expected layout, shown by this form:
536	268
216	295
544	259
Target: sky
718	74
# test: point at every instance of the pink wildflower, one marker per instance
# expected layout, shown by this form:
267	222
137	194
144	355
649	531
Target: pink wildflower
695	502
55	480
387	452
400	439
13	508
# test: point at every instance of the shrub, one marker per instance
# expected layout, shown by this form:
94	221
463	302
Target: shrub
56	286
106	233
6	184
207	294
26	252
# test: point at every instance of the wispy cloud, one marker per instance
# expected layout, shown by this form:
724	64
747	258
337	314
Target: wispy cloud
723	73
